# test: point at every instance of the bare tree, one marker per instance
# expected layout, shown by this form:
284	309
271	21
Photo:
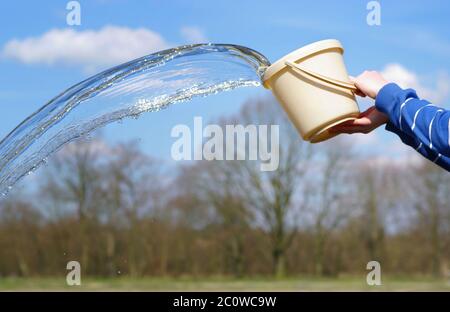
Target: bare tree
19	222
219	199
134	190
332	201
432	198
275	197
73	181
369	183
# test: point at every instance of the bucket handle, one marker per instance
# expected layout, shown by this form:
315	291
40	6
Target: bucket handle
339	83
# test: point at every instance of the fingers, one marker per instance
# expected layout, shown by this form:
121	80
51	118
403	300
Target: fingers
354	123
357	91
363	124
364	121
350	129
370	82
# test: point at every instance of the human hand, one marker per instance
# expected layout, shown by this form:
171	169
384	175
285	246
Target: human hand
366	122
369	83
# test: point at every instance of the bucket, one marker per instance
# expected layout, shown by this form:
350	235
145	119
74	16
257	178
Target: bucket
314	89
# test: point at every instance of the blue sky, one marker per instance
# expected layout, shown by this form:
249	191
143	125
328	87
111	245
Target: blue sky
412	44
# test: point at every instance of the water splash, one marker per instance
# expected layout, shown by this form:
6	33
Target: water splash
149	83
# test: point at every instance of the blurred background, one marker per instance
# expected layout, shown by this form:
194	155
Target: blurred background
135	219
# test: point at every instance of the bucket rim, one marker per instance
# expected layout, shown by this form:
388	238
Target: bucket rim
299	54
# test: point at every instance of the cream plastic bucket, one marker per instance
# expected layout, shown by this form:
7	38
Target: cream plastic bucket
314	89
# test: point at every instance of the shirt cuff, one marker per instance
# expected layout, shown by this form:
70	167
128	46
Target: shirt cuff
386	98
406	139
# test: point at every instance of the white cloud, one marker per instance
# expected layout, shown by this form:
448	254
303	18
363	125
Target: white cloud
111	45
193	34
434	89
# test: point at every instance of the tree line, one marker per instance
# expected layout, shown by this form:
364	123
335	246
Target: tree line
326	211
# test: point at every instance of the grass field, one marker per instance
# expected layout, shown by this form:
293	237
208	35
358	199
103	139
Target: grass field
221	284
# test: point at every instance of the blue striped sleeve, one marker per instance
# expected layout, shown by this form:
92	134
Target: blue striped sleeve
425	151
418	118
419	123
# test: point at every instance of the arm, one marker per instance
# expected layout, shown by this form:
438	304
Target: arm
419	119
418	123
424	150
